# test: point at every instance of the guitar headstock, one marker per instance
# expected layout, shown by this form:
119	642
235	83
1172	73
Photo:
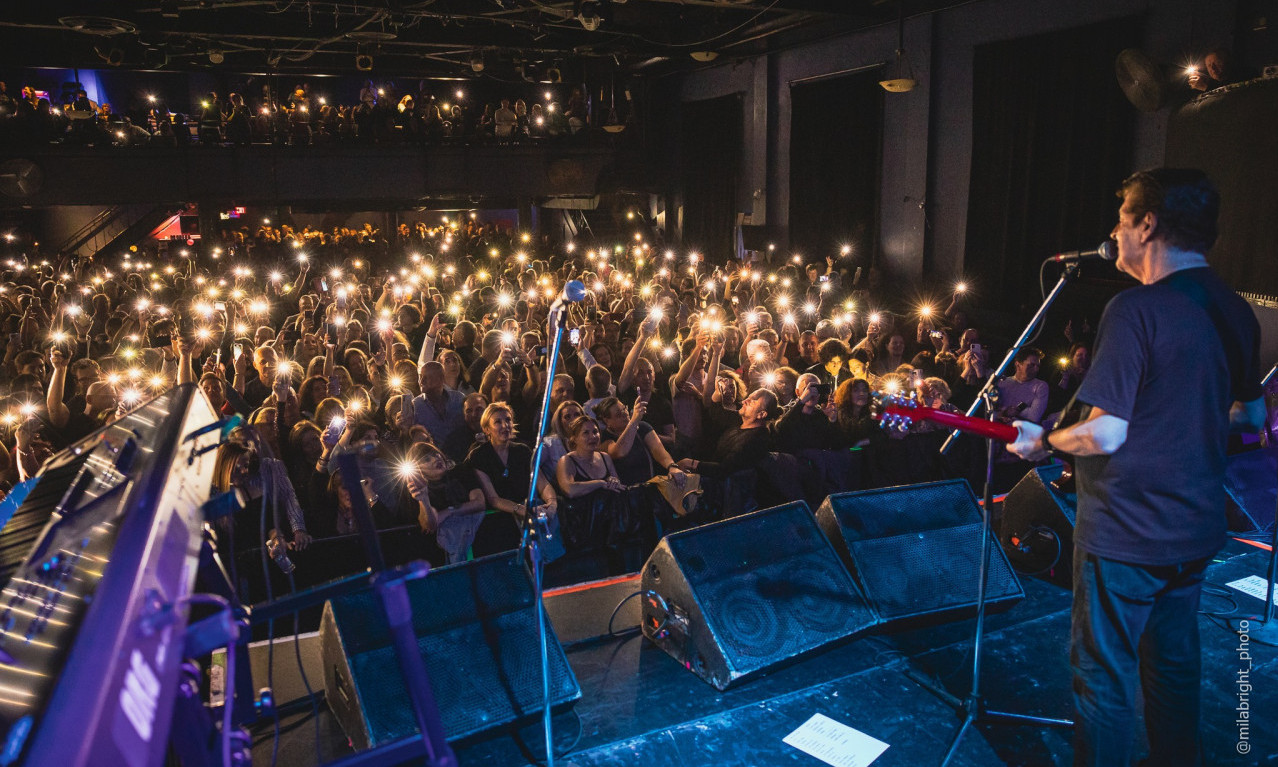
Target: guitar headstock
894	410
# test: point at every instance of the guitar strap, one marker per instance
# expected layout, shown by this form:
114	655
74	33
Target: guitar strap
1194	291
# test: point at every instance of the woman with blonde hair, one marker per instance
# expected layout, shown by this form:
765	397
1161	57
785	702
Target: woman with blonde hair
504	468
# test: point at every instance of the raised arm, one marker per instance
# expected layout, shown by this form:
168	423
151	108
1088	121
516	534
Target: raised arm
58	412
627	376
428	343
685	369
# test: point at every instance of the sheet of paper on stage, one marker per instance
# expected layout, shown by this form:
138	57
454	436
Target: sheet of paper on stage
835	743
1253	586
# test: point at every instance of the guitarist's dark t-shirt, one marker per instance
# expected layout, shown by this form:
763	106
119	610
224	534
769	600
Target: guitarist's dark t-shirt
1161	366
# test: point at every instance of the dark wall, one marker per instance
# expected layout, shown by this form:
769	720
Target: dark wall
1233	135
928	139
836	138
711	152
1051	140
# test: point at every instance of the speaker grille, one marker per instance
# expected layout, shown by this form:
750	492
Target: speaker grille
923	573
893	511
769	586
915	550
476	626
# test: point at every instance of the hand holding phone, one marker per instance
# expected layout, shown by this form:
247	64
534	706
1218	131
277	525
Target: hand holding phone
333	432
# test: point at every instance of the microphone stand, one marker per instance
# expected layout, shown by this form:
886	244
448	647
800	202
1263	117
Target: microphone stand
531	541
1267	632
973	705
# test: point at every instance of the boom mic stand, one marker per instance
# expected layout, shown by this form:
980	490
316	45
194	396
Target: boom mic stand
973	706
536	536
1267	632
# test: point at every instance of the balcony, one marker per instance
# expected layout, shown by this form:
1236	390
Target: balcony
394	175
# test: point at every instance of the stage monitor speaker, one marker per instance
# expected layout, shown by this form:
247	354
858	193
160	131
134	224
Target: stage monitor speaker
476	627
915	551
1253	496
1037	531
738	597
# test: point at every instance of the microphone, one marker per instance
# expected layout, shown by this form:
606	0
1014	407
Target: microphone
1106	251
574	292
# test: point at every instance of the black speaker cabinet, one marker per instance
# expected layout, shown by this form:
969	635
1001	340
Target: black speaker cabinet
1038	526
915	551
737	597
1249	481
476	627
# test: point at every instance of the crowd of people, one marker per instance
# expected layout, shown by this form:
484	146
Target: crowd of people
380	114
684	392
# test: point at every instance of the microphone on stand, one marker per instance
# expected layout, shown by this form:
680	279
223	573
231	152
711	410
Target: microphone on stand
1106	251
574	292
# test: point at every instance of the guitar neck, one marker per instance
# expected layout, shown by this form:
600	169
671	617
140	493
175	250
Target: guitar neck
1000	431
1003	432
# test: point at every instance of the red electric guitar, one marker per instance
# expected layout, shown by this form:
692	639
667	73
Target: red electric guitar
896	411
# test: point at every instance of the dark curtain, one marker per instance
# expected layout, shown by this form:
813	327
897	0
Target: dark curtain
1232	136
1051	140
836	132
712	150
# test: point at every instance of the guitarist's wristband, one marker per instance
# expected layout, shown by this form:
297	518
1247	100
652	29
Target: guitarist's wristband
1047	445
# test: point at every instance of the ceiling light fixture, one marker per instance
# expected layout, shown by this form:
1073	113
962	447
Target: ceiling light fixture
477	62
704	55
364	62
901	78
588	15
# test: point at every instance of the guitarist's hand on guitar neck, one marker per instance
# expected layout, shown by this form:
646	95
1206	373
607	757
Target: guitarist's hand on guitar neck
1028	444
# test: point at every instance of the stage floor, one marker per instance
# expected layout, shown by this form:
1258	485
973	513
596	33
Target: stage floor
639	706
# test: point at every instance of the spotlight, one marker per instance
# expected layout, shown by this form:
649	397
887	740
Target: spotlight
477	62
216	56
364	62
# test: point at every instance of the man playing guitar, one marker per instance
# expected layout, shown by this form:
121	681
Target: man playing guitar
1176	368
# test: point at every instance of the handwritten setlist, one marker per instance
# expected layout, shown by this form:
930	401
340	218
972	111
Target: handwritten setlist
835	743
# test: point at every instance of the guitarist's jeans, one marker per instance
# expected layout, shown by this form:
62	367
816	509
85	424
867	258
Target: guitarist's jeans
1129	622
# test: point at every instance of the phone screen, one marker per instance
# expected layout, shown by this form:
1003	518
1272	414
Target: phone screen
574	336
324	283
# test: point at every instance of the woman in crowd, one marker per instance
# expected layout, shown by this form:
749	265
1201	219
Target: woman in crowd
504	469
852	407
454	372
635	449
450	500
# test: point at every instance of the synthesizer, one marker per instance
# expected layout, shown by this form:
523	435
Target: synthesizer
101	558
